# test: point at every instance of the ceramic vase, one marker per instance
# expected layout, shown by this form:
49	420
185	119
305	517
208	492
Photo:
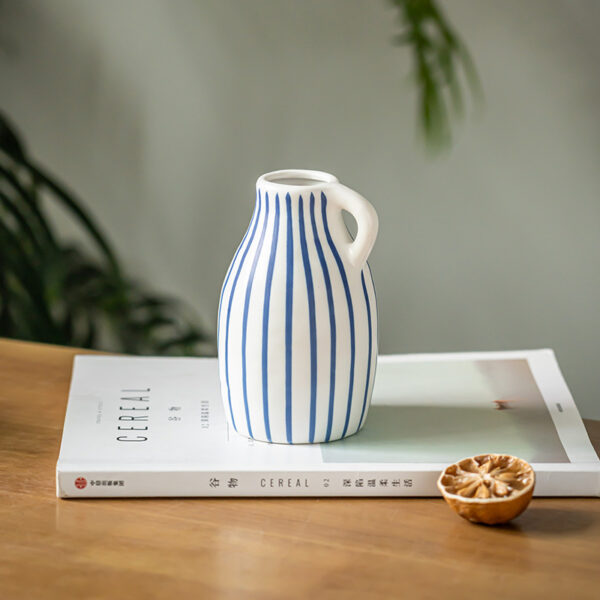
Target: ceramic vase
297	324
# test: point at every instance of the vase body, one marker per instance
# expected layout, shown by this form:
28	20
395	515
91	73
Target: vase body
297	324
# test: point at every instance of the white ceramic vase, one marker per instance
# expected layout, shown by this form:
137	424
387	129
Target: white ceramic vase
297	325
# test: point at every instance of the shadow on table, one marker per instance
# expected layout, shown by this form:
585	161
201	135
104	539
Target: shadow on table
539	520
515	542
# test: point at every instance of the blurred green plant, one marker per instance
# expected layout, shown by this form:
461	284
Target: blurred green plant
57	292
439	59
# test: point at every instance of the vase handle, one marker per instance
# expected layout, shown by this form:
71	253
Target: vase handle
366	219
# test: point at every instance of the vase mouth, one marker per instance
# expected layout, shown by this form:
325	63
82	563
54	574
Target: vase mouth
296	179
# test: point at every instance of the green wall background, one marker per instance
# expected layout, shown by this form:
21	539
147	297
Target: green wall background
162	114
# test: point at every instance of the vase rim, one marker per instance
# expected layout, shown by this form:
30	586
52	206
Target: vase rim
296	179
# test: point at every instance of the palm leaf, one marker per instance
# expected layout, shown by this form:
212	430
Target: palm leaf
53	291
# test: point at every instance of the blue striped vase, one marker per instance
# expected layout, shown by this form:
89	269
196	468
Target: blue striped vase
297	325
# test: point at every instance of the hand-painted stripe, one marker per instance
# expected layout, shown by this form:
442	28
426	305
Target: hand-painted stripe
340	265
332	326
232	267
375	302
364	287
289	298
235	279
312	323
265	329
247	311
375	329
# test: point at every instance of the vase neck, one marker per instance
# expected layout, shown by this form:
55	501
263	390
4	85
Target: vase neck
285	200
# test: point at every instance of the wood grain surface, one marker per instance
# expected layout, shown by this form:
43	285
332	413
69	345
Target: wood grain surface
256	548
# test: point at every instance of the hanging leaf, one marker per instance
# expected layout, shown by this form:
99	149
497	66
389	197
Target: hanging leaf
439	59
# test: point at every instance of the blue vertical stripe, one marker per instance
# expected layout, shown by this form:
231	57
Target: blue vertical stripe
340	265
332	327
235	279
246	312
265	328
376	328
289	297
375	296
312	323
364	287
231	268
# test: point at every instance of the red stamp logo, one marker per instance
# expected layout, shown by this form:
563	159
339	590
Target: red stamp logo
80	483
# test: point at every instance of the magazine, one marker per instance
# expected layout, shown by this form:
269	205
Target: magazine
139	426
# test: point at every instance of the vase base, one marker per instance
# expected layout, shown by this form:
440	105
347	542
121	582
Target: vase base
284	442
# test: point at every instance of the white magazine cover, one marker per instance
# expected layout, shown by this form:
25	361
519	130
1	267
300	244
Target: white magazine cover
138	426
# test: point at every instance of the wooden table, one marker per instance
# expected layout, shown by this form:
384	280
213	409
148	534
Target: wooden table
256	548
